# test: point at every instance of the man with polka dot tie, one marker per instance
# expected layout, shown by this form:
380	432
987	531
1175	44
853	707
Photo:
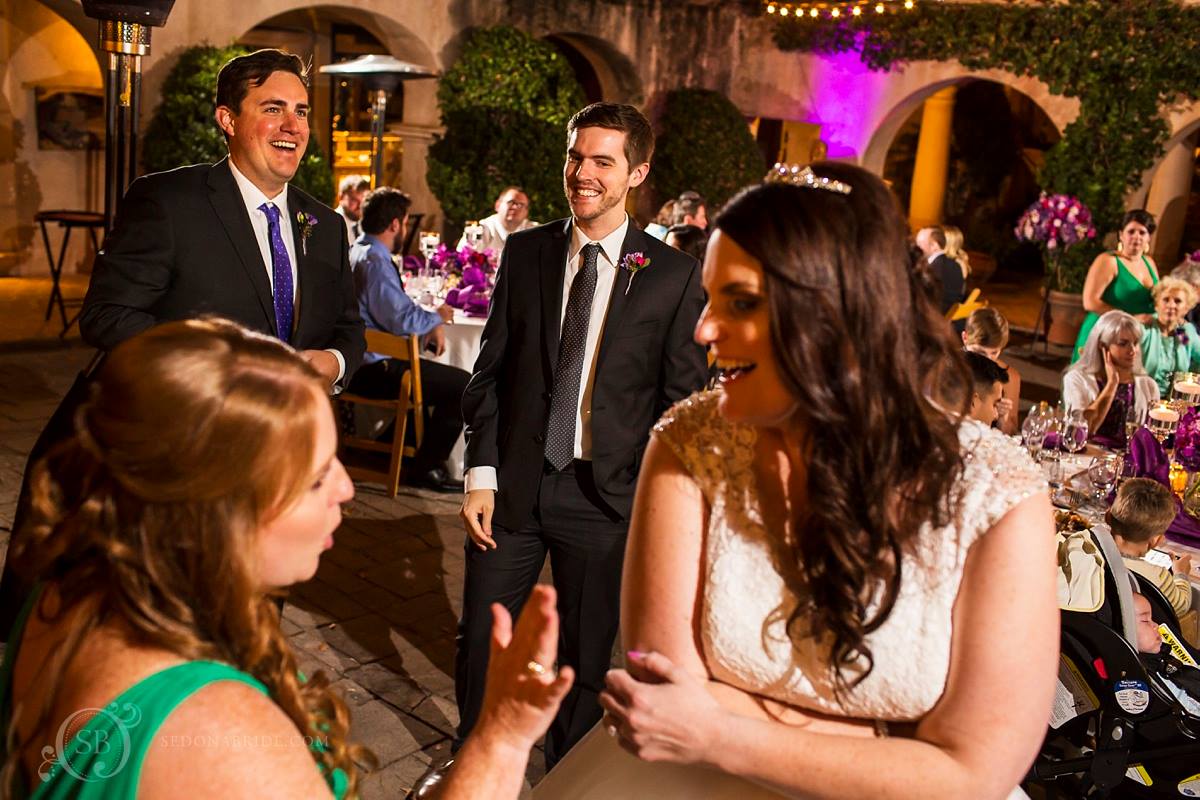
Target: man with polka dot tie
580	357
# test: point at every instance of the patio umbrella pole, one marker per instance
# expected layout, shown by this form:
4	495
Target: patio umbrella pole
124	33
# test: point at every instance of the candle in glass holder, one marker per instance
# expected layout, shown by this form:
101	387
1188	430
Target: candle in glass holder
1188	387
1164	415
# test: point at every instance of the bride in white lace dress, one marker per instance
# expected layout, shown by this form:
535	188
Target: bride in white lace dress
833	588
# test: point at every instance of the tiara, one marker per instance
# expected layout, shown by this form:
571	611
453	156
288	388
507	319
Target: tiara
804	176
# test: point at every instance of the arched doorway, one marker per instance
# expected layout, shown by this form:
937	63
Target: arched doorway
604	72
998	137
51	131
326	34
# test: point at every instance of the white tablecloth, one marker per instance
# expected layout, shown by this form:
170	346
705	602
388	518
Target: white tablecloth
462	346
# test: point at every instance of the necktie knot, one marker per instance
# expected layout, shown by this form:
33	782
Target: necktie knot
272	212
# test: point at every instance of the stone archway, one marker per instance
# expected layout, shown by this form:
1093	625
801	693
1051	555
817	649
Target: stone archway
1166	190
49	67
604	71
917	82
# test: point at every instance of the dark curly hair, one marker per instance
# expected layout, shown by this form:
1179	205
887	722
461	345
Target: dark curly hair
859	346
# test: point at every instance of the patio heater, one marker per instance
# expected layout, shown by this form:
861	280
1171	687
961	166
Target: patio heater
381	75
125	37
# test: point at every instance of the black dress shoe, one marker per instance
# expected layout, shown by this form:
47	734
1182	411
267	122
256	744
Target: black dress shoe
428	785
437	480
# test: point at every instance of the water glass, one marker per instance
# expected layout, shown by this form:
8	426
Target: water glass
1074	432
429	242
473	234
1103	473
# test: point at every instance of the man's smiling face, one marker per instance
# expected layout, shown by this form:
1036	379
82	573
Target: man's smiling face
268	134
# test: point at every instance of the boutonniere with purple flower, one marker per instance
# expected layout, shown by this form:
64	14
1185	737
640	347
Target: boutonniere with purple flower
307	223
634	263
1180	335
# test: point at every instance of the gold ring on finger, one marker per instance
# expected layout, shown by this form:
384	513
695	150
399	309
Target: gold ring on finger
535	668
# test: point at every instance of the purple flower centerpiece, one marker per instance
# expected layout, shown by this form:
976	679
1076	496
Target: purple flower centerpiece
473	272
1187	455
1056	222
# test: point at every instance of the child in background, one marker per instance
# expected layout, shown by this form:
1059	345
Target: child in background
1139	518
987	334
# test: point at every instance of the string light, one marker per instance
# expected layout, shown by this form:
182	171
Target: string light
834	8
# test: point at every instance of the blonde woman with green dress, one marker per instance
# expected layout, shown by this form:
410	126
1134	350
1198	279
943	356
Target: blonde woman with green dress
1121	281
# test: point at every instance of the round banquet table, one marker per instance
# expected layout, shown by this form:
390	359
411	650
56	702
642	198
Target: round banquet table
462	347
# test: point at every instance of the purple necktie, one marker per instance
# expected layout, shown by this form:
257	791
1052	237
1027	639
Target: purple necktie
281	268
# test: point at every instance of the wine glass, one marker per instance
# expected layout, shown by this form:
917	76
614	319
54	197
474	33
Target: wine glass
1103	473
1033	431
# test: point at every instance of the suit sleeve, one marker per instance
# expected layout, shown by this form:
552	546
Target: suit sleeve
132	271
684	363
481	400
347	336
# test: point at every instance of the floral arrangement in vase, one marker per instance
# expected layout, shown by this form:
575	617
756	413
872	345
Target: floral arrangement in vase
1187	455
1056	222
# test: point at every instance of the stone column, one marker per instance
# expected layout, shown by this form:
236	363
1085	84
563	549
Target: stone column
1168	200
933	159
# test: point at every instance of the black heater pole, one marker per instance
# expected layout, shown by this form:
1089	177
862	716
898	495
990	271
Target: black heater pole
125	37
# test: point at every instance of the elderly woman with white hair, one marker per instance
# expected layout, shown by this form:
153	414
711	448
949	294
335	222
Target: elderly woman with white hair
1170	344
1108	379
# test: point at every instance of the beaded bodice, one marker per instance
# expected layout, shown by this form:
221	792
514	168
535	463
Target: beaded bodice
746	605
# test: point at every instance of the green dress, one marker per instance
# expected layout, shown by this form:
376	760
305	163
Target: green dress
1125	293
102	760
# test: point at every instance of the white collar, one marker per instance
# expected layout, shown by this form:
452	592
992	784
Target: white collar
610	244
252	196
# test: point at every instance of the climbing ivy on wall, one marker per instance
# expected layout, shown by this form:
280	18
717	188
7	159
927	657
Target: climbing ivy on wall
1128	62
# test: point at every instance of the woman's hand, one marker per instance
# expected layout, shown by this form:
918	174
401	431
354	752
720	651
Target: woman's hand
1145	319
523	693
665	714
1111	376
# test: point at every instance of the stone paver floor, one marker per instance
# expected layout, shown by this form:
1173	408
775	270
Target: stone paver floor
379	616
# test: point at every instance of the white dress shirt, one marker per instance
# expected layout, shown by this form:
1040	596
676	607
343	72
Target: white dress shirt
253	197
606	276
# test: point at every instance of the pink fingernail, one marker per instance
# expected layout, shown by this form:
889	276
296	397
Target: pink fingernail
637	655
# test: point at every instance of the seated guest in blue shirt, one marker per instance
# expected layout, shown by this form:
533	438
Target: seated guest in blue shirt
385	307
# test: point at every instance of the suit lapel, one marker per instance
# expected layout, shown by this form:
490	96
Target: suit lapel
620	292
230	209
552	266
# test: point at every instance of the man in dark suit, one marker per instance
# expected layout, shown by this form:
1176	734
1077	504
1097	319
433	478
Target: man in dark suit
946	271
582	352
230	239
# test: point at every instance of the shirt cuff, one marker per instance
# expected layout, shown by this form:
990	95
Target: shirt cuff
341	359
481	478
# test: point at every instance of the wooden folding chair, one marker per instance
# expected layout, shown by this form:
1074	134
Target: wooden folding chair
409	401
963	310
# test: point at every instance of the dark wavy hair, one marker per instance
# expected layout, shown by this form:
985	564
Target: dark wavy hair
859	346
1142	217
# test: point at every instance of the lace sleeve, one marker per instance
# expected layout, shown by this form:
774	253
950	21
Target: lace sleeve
703	440
999	476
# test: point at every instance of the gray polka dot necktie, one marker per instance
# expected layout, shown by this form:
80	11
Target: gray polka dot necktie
564	403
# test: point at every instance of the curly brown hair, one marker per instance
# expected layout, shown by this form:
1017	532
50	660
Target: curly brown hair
859	346
196	434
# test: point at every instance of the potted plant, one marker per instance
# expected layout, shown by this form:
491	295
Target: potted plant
1061	225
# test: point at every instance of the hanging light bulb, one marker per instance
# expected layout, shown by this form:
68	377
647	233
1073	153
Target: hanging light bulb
856	11
813	13
879	8
783	12
771	9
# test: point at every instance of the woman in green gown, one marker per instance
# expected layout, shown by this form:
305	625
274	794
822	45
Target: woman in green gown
1122	280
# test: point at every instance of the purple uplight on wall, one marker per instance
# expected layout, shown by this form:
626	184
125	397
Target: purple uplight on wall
844	96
